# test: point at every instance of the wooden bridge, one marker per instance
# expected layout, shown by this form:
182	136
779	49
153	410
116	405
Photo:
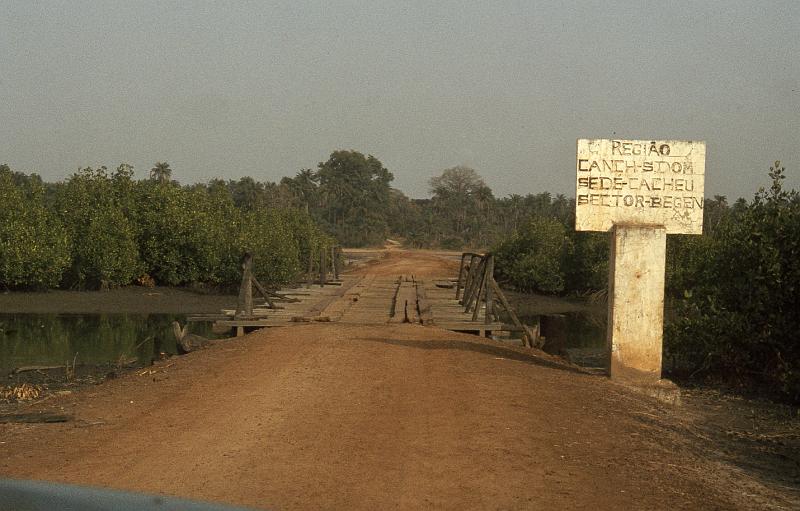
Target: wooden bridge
468	301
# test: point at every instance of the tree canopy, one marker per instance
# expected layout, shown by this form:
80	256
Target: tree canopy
161	172
104	229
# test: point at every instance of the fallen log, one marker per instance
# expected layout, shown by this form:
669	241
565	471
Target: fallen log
24	369
186	342
31	418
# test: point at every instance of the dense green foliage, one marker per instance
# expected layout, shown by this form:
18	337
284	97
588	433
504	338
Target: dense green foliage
463	212
460	203
34	246
736	292
348	195
532	258
549	256
103	242
353	190
100	229
182	233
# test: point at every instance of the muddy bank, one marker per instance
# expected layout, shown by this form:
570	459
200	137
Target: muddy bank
19	391
44	355
127	300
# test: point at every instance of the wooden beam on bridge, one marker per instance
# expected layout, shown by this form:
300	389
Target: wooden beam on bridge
244	307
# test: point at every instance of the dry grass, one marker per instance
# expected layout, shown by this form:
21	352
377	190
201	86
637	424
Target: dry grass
22	392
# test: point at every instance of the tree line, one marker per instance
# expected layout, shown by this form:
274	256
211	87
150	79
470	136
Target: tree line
351	197
102	228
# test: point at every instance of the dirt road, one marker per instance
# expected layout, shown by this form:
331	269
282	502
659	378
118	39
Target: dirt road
421	263
331	416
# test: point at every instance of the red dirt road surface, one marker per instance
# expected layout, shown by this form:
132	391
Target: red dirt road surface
420	263
333	416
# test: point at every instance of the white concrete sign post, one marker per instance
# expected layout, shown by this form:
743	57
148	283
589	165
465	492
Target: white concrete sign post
640	190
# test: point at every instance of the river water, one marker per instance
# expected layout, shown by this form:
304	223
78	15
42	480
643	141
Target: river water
87	339
104	340
584	336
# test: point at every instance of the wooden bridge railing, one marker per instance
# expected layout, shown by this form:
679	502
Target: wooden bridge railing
330	260
244	306
476	279
324	263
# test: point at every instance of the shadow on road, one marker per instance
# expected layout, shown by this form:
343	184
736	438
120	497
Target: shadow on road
481	348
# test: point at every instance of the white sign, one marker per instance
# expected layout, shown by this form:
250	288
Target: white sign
640	182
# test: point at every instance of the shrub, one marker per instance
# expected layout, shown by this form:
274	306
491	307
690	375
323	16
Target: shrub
306	235
34	247
740	317
532	258
104	250
173	235
267	236
585	264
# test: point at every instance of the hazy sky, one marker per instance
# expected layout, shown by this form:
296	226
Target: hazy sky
267	88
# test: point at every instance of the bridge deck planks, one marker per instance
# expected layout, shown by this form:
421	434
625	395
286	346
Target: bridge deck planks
364	299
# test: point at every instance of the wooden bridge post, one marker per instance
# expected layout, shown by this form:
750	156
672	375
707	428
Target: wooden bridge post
310	275
467	271
528	338
482	287
475	285
489	290
473	268
335	261
323	270
460	275
245	305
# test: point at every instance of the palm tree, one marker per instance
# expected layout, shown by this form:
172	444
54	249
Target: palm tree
161	172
